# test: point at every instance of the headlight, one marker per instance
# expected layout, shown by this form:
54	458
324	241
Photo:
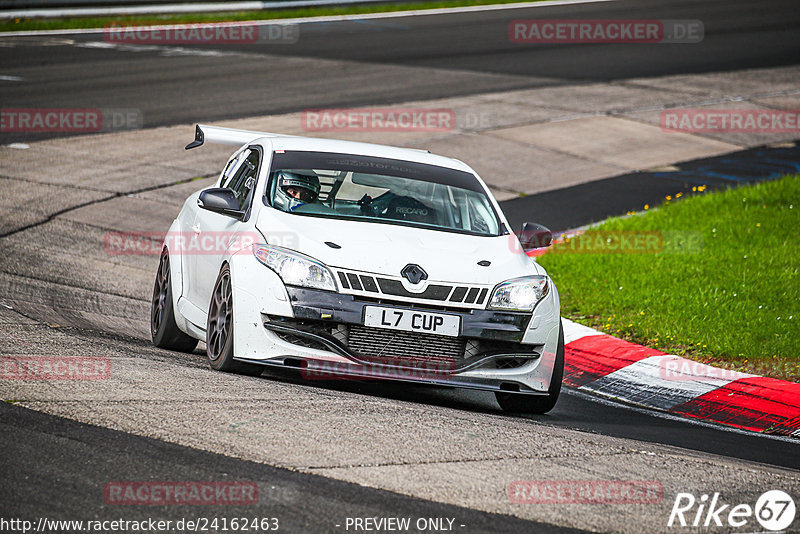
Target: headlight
295	269
519	294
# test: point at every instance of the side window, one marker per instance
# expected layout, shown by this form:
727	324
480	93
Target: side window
230	170
242	179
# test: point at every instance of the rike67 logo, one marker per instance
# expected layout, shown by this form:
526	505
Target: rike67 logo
774	510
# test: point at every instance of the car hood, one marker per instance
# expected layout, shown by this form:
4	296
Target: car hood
387	248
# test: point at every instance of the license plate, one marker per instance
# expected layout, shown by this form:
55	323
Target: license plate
412	321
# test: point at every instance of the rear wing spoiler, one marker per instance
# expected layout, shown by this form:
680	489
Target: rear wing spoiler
226	136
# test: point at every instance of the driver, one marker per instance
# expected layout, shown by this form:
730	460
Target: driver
296	188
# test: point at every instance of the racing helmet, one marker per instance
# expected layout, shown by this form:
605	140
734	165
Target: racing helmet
296	188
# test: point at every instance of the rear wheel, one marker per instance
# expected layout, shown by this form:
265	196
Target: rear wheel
164	331
219	329
537	404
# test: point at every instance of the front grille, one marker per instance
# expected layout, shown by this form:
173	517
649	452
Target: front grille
510	363
434	292
336	331
302	341
406	348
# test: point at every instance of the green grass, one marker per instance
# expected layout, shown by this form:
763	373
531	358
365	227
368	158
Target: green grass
731	297
183	18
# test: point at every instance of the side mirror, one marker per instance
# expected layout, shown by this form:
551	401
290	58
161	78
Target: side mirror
534	236
220	200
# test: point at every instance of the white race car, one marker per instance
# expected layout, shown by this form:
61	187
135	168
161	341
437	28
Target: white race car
359	261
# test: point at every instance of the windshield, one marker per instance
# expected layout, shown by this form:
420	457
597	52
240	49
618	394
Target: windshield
380	190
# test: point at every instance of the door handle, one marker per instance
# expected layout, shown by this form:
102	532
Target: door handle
196	228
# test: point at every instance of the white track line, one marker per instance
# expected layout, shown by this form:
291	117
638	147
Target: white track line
329	18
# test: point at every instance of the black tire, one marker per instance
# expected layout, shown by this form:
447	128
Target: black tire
219	329
163	330
537	404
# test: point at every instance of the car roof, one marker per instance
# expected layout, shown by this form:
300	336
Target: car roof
313	144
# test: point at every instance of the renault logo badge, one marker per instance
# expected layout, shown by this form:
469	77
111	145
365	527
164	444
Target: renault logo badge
414	273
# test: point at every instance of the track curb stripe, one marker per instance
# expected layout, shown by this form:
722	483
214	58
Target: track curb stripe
592	357
759	403
610	367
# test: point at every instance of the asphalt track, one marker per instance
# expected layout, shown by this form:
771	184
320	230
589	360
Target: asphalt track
382	61
50	451
344	64
571	207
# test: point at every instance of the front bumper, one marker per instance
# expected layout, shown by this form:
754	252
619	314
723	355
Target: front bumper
316	331
330	321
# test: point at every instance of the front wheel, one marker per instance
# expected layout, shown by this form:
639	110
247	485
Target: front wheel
164	331
537	404
219	329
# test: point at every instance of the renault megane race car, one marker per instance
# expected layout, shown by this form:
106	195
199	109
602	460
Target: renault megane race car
356	260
